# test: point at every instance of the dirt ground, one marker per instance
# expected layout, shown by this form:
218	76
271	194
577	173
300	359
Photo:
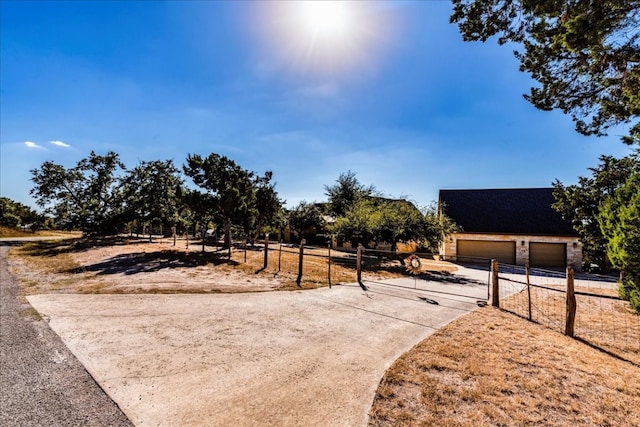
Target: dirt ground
138	267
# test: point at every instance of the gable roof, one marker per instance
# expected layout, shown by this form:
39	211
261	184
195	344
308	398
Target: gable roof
505	211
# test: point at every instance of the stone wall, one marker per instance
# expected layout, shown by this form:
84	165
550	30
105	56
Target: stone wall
574	247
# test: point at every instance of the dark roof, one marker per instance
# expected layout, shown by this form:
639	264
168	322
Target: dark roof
505	211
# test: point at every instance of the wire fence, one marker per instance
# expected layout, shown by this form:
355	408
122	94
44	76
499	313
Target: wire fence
582	306
310	265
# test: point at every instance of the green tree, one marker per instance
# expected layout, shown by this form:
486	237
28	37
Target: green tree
585	54
268	206
437	226
152	192
86	196
305	218
346	192
232	191
13	214
581	203
619	219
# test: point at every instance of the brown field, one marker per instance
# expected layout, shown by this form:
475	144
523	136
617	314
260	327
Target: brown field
129	265
489	368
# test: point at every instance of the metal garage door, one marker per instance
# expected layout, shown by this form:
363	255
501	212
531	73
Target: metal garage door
547	254
504	252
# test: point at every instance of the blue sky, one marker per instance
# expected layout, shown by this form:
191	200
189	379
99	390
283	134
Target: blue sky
392	93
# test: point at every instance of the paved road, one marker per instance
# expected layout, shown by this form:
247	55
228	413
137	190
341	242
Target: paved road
41	382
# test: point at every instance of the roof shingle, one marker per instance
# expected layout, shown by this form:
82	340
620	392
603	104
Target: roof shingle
505	211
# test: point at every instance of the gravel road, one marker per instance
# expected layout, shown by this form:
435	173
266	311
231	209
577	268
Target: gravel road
41	382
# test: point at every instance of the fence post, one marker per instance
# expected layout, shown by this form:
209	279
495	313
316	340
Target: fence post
266	251
526	269
359	263
300	258
571	304
495	292
329	266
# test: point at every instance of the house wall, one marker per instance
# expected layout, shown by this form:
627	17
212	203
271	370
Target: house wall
574	247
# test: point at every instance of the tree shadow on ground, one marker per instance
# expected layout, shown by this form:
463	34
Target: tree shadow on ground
149	262
76	245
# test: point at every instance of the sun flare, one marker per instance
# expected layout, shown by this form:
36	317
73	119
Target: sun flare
322	37
325	20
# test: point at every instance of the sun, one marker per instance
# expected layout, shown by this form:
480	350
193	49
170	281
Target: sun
321	37
325	21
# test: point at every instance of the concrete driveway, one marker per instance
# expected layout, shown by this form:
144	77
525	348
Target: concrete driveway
311	358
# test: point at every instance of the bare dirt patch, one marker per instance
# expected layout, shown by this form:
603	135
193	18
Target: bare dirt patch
133	266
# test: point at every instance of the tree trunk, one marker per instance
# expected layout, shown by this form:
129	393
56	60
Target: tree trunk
227	233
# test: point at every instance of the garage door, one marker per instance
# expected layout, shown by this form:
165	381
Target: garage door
504	252
547	254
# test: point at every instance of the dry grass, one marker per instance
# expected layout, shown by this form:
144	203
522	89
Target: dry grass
16	232
491	368
606	323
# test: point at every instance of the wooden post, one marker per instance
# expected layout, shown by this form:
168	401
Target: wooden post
359	263
280	257
300	258
266	251
495	292
526	268
329	266
571	304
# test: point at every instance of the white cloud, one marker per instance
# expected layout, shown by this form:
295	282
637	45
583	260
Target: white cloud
60	144
30	144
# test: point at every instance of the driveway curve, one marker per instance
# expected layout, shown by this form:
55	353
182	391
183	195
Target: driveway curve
310	358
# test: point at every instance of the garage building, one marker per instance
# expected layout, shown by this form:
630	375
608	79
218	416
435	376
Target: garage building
514	226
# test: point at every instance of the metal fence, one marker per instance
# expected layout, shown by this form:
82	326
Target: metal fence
582	306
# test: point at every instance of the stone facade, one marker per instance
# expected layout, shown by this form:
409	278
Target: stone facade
574	247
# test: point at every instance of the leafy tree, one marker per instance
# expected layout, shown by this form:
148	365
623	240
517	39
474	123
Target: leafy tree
581	203
235	195
268	206
152	192
346	192
13	214
437	226
305	218
86	196
585	54
377	219
619	219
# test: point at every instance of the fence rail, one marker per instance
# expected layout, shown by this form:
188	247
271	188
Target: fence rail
588	310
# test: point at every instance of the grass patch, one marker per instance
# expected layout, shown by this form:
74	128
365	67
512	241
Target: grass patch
30	313
494	368
8	232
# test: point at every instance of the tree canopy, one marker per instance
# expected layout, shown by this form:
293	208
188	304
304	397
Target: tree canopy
236	196
619	219
152	192
86	196
580	203
584	54
604	209
14	214
346	192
